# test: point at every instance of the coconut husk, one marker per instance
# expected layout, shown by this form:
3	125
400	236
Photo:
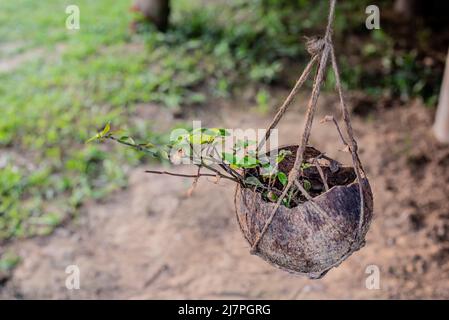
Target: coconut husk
314	236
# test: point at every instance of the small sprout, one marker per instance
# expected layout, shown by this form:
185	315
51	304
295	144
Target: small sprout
286	202
282	154
305	166
307	185
101	135
271	196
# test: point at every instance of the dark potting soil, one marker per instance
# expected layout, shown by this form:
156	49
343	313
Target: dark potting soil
335	174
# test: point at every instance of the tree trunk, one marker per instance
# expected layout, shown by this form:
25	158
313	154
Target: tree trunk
405	7
441	127
154	11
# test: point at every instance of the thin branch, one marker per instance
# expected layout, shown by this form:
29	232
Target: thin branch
229	170
332	118
220	174
238	178
195	182
320	171
303	191
193	176
135	146
179	174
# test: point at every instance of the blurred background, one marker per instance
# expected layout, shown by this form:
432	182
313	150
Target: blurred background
230	64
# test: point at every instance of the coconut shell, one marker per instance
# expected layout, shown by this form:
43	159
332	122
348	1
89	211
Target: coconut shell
305	240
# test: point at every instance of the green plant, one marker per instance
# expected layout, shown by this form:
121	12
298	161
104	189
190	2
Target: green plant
206	149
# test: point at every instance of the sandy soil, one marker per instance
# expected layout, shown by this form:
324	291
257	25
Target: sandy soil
152	241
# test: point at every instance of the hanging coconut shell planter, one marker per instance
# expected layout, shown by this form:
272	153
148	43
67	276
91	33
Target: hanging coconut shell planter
309	212
331	222
314	236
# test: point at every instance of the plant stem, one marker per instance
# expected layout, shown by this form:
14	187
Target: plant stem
194	176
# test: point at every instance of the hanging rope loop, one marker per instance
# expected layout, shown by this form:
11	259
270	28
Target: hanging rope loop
315	45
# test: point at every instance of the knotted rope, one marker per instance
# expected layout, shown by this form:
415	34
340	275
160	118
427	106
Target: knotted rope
320	50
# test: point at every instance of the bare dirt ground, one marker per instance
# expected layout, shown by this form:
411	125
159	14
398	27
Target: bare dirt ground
152	241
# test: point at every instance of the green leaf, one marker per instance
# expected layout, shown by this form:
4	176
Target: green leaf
286	202
180	140
163	154
106	129
148	145
305	166
253	181
229	158
117	132
127	139
244	144
282	154
204	136
101	134
264	160
268	170
307	185
234	167
248	162
216	132
95	137
282	177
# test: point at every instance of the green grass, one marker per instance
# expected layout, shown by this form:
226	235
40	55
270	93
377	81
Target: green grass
50	106
8	261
